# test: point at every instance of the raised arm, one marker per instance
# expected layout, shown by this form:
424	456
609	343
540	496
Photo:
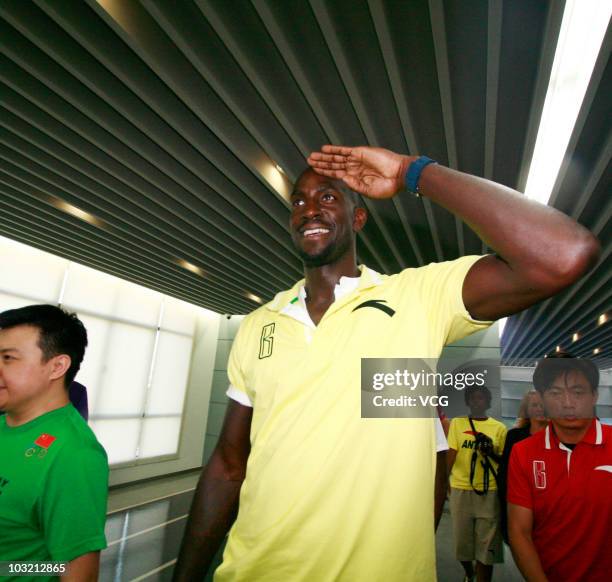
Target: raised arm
539	250
215	502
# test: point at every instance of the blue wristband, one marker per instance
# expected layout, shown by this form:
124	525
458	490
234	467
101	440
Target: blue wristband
414	173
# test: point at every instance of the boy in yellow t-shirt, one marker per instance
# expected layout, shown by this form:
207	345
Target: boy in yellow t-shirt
475	446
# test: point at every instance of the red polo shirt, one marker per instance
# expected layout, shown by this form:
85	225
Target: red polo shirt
570	494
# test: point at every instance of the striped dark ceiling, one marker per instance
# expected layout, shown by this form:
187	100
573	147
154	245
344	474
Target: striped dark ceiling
165	121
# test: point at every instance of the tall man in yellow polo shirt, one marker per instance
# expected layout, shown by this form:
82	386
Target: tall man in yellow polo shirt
317	492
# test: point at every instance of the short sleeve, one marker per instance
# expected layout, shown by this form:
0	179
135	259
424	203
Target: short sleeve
441	444
235	368
519	491
452	435
73	504
442	292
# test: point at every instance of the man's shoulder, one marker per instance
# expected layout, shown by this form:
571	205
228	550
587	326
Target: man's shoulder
459	421
498	424
77	438
531	445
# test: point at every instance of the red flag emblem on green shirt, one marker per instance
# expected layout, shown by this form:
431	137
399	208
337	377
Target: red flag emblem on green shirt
44	440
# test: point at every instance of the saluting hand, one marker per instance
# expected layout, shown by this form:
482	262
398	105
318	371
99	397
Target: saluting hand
373	172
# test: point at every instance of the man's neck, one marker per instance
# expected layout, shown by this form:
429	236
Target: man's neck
320	282
32	410
571	435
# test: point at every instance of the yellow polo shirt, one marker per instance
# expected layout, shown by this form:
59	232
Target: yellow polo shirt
329	495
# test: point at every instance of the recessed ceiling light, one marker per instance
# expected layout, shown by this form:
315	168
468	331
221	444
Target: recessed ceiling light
558	349
575	337
254	297
602	319
76	212
191	267
596	351
580	38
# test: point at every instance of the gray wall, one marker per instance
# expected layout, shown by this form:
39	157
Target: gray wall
483	345
218	400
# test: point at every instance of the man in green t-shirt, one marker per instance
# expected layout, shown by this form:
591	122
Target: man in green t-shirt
53	471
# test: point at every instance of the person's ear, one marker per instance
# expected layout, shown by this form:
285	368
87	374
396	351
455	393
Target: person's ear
59	366
360	217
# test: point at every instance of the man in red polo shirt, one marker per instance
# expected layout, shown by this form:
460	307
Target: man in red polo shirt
559	482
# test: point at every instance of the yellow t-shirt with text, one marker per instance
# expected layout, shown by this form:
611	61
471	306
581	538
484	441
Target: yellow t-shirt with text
461	438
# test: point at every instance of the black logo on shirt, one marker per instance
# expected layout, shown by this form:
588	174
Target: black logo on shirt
377	304
266	342
3	482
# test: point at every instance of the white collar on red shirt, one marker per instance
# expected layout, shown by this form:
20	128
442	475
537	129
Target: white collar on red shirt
593	436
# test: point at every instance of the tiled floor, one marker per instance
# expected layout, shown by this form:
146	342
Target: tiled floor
144	539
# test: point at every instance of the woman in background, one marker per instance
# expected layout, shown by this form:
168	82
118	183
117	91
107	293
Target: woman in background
530	420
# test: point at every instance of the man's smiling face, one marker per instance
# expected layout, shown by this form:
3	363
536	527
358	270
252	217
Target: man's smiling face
323	220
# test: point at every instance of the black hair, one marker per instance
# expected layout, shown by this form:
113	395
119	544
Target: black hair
558	364
472	389
60	332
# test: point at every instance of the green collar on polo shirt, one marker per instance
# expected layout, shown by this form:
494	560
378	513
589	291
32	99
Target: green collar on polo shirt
367	279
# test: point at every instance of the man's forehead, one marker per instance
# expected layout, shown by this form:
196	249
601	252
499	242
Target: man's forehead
310	180
570	378
21	333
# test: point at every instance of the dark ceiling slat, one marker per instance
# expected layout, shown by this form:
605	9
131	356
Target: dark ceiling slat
71	187
140	240
576	297
343	64
160	88
591	339
438	27
388	51
91	255
160	166
87	178
308	89
595	177
127	274
265	117
521	328
45	212
494	35
521	334
168	186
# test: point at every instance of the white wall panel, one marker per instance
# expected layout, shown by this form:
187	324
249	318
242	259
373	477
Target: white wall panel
170	374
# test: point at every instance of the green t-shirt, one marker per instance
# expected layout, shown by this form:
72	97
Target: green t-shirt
53	489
